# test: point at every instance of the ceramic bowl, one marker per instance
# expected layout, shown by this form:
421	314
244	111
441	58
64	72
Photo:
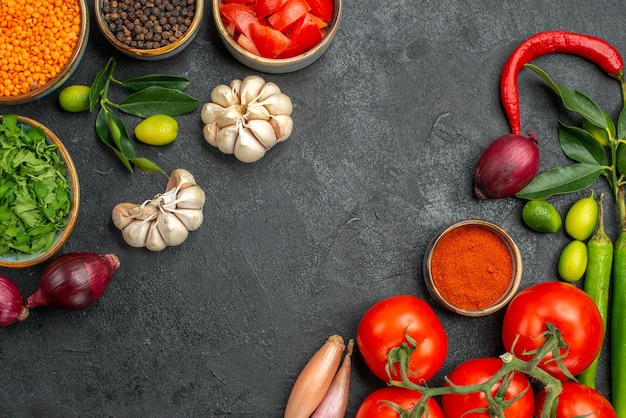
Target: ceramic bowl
505	295
62	76
152	54
271	65
22	260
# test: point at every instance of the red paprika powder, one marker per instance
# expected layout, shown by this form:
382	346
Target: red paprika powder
471	267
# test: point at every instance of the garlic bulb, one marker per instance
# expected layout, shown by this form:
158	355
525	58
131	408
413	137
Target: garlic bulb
247	118
167	219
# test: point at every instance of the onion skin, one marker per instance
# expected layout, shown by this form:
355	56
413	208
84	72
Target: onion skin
12	304
74	281
506	166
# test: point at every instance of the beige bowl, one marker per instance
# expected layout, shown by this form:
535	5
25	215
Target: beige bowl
470	282
61	77
152	54
272	65
22	260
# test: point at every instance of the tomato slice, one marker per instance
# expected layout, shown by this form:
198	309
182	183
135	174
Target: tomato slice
288	14
241	15
237	1
268	41
319	22
267	7
304	35
322	9
247	44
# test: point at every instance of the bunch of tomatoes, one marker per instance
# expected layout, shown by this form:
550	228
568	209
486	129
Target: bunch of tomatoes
408	321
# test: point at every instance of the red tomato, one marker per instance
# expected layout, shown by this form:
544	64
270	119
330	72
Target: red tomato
267	7
304	35
240	15
287	15
383	327
578	400
322	8
269	42
570	309
478	371
375	404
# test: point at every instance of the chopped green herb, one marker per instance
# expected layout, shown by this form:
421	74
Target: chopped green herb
34	189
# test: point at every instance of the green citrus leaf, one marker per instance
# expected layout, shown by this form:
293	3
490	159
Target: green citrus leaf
159	80
146	165
158	100
621	124
565	179
581	146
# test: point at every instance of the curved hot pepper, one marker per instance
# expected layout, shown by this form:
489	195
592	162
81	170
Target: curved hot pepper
594	49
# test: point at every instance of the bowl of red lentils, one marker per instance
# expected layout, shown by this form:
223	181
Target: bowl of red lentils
280	36
473	267
149	29
41	44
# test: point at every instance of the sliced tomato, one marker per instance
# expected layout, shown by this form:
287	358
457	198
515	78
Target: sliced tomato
288	14
247	44
319	22
240	15
237	1
267	7
304	35
322	8
268	41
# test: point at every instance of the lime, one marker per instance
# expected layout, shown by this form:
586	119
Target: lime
582	218
74	98
541	216
573	261
157	130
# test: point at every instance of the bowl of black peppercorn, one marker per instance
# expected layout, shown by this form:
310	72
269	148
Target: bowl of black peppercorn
149	29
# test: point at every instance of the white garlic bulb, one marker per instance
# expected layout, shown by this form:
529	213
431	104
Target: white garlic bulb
165	220
247	118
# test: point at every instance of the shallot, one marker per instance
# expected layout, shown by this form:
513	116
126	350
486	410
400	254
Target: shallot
74	281
12	304
335	401
506	166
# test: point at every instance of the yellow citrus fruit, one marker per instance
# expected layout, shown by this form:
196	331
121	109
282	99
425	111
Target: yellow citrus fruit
157	130
74	98
573	261
582	218
541	216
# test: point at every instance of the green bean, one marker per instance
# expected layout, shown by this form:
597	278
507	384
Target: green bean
618	315
597	283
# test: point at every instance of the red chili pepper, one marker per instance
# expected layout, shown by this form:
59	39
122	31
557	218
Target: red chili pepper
594	49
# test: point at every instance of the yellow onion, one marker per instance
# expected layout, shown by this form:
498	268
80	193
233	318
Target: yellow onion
506	166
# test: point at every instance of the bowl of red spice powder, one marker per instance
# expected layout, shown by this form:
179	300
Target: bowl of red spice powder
473	267
41	44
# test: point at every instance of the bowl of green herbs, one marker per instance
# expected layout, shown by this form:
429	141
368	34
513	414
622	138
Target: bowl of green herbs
39	192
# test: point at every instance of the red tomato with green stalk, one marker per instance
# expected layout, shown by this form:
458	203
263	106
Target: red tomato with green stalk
516	396
578	400
391	401
570	310
406	321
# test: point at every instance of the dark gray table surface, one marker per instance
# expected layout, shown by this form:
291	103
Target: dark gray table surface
389	124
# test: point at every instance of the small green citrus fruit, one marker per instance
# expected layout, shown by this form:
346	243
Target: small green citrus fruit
573	261
157	130
541	216
74	98
582	218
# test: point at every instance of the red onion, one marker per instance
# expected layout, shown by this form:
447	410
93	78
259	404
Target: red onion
506	166
74	281
12	304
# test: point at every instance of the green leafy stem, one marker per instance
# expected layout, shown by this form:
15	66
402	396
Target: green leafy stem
150	95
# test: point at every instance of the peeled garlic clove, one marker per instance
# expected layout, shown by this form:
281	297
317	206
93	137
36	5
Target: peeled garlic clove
230	116
283	126
248	149
227	138
224	96
250	88
121	214
210	133
211	112
191	218
263	131
190	198
278	104
172	229
269	89
154	239
180	179
135	233
257	111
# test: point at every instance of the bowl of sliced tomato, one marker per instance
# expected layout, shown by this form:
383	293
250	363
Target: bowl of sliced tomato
277	36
